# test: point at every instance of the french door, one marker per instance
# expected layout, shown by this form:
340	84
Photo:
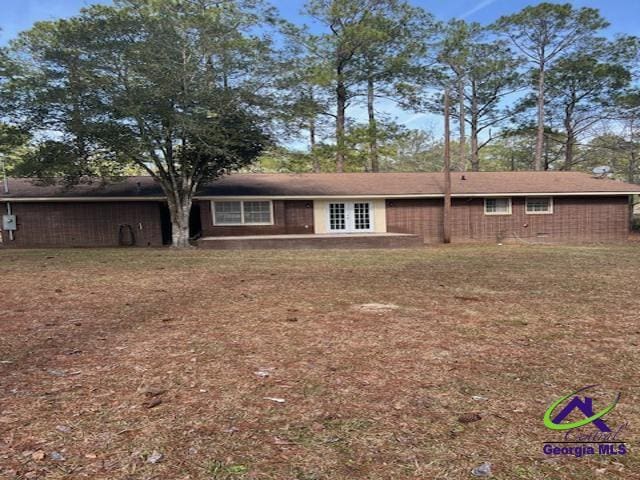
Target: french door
349	217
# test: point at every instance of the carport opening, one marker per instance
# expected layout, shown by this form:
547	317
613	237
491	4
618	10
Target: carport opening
195	223
165	224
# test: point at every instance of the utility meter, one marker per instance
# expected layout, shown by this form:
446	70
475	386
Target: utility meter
9	222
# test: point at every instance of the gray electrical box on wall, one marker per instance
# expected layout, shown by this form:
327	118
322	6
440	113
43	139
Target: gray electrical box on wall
9	222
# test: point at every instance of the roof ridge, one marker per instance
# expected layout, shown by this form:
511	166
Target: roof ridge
505	172
336	185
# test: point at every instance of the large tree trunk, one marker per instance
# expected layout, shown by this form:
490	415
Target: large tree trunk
633	157
475	153
545	156
568	149
462	161
540	137
180	209
312	146
341	106
446	211
373	128
571	136
315	161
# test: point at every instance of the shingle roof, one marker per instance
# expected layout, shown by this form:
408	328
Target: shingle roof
345	184
332	184
127	187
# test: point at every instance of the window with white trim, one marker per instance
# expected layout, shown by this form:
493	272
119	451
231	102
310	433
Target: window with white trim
497	206
237	212
539	205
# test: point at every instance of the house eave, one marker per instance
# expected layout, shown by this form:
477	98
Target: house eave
84	199
410	195
158	198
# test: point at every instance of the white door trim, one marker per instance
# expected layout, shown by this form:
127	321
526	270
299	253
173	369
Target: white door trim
349	216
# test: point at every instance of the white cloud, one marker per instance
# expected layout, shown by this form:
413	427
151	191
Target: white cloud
477	8
415	117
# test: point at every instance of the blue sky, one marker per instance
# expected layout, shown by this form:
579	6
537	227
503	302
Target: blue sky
18	15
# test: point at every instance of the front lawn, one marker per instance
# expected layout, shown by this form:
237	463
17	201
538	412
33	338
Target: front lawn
310	365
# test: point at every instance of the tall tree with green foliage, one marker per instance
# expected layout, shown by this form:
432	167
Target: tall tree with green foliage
582	88
514	149
307	100
307	111
5	67
628	105
492	75
176	88
619	146
481	72
359	144
53	95
543	34
12	139
414	151
14	147
350	29
455	52
399	39
615	149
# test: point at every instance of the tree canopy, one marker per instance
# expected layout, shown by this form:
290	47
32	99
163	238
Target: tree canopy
179	89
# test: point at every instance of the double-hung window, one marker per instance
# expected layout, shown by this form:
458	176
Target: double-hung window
239	212
539	205
497	206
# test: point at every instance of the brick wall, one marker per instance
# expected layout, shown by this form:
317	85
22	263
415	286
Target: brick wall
95	224
574	219
289	217
420	216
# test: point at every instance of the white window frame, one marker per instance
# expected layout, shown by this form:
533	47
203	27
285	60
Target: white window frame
548	212
242	221
497	213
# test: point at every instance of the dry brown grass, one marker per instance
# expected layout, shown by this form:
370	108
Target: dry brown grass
369	393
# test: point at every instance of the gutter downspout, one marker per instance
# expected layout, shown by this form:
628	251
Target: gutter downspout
6	190
9	213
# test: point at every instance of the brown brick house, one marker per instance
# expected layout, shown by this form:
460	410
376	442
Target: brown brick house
352	209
